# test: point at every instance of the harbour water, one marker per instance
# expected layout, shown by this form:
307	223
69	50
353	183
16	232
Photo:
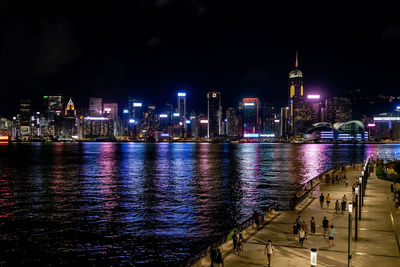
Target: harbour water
136	203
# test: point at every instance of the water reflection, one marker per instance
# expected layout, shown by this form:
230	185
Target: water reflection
127	204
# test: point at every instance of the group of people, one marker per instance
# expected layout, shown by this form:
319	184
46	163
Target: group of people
216	257
339	206
300	230
238	240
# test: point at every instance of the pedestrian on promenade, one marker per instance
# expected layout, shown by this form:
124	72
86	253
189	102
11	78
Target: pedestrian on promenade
305	228
213	256
321	200
325	225
240	243
337	206
235	241
298	222
328	200
344	202
312	225
302	235
256	218
346	181
333	179
331	234
219	260
295	231
269	250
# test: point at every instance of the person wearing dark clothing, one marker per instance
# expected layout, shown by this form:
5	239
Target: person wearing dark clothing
219	260
312	225
256	218
295	231
321	200
325	225
213	256
234	240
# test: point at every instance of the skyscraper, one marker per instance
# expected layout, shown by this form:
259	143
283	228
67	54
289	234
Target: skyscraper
338	109
214	114
251	116
25	111
296	100
95	106
69	128
231	122
182	104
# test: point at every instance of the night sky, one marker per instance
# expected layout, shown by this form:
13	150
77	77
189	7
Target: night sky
150	49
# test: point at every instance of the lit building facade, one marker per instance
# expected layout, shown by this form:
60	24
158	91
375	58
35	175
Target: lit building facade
95	106
214	114
296	100
338	109
69	128
251	116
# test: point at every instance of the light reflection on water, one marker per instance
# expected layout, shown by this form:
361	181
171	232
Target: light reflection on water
111	203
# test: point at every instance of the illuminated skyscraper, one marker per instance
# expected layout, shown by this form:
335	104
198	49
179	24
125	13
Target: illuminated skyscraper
69	128
231	122
111	109
295	97
251	116
95	106
25	111
214	114
182	104
338	109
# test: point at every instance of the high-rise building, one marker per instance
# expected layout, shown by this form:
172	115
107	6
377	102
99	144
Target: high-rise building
69	128
251	116
53	106
296	100
284	122
182	104
95	106
25	119
267	118
338	109
231	123
214	114
111	110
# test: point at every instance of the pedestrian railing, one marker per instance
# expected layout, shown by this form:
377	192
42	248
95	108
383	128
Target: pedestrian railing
203	252
303	190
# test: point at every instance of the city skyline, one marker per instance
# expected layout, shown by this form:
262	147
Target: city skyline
144	49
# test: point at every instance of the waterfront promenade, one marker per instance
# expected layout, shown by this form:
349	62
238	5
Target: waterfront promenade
377	243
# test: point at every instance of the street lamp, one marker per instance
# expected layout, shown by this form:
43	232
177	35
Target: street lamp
360	196
349	236
313	257
356	222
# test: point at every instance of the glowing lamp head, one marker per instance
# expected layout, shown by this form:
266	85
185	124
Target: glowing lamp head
350	207
131	120
163	116
181	94
360	180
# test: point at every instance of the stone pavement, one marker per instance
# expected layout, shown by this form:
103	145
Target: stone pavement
377	241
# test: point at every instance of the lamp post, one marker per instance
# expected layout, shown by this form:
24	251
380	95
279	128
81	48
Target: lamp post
349	236
356	222
360	197
313	257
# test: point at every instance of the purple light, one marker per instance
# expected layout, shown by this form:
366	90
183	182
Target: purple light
165	134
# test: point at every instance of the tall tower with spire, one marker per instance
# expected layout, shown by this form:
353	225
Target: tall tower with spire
69	125
295	95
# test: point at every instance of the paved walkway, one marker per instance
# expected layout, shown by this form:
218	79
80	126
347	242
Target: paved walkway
377	243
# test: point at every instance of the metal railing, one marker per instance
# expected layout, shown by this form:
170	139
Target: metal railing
303	190
204	251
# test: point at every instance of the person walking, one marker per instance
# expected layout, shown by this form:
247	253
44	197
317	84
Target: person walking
328	200
213	256
219	260
302	235
298	222
256	218
321	200
331	234
337	206
344	202
235	241
305	228
295	231
269	250
312	225
325	225
240	243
